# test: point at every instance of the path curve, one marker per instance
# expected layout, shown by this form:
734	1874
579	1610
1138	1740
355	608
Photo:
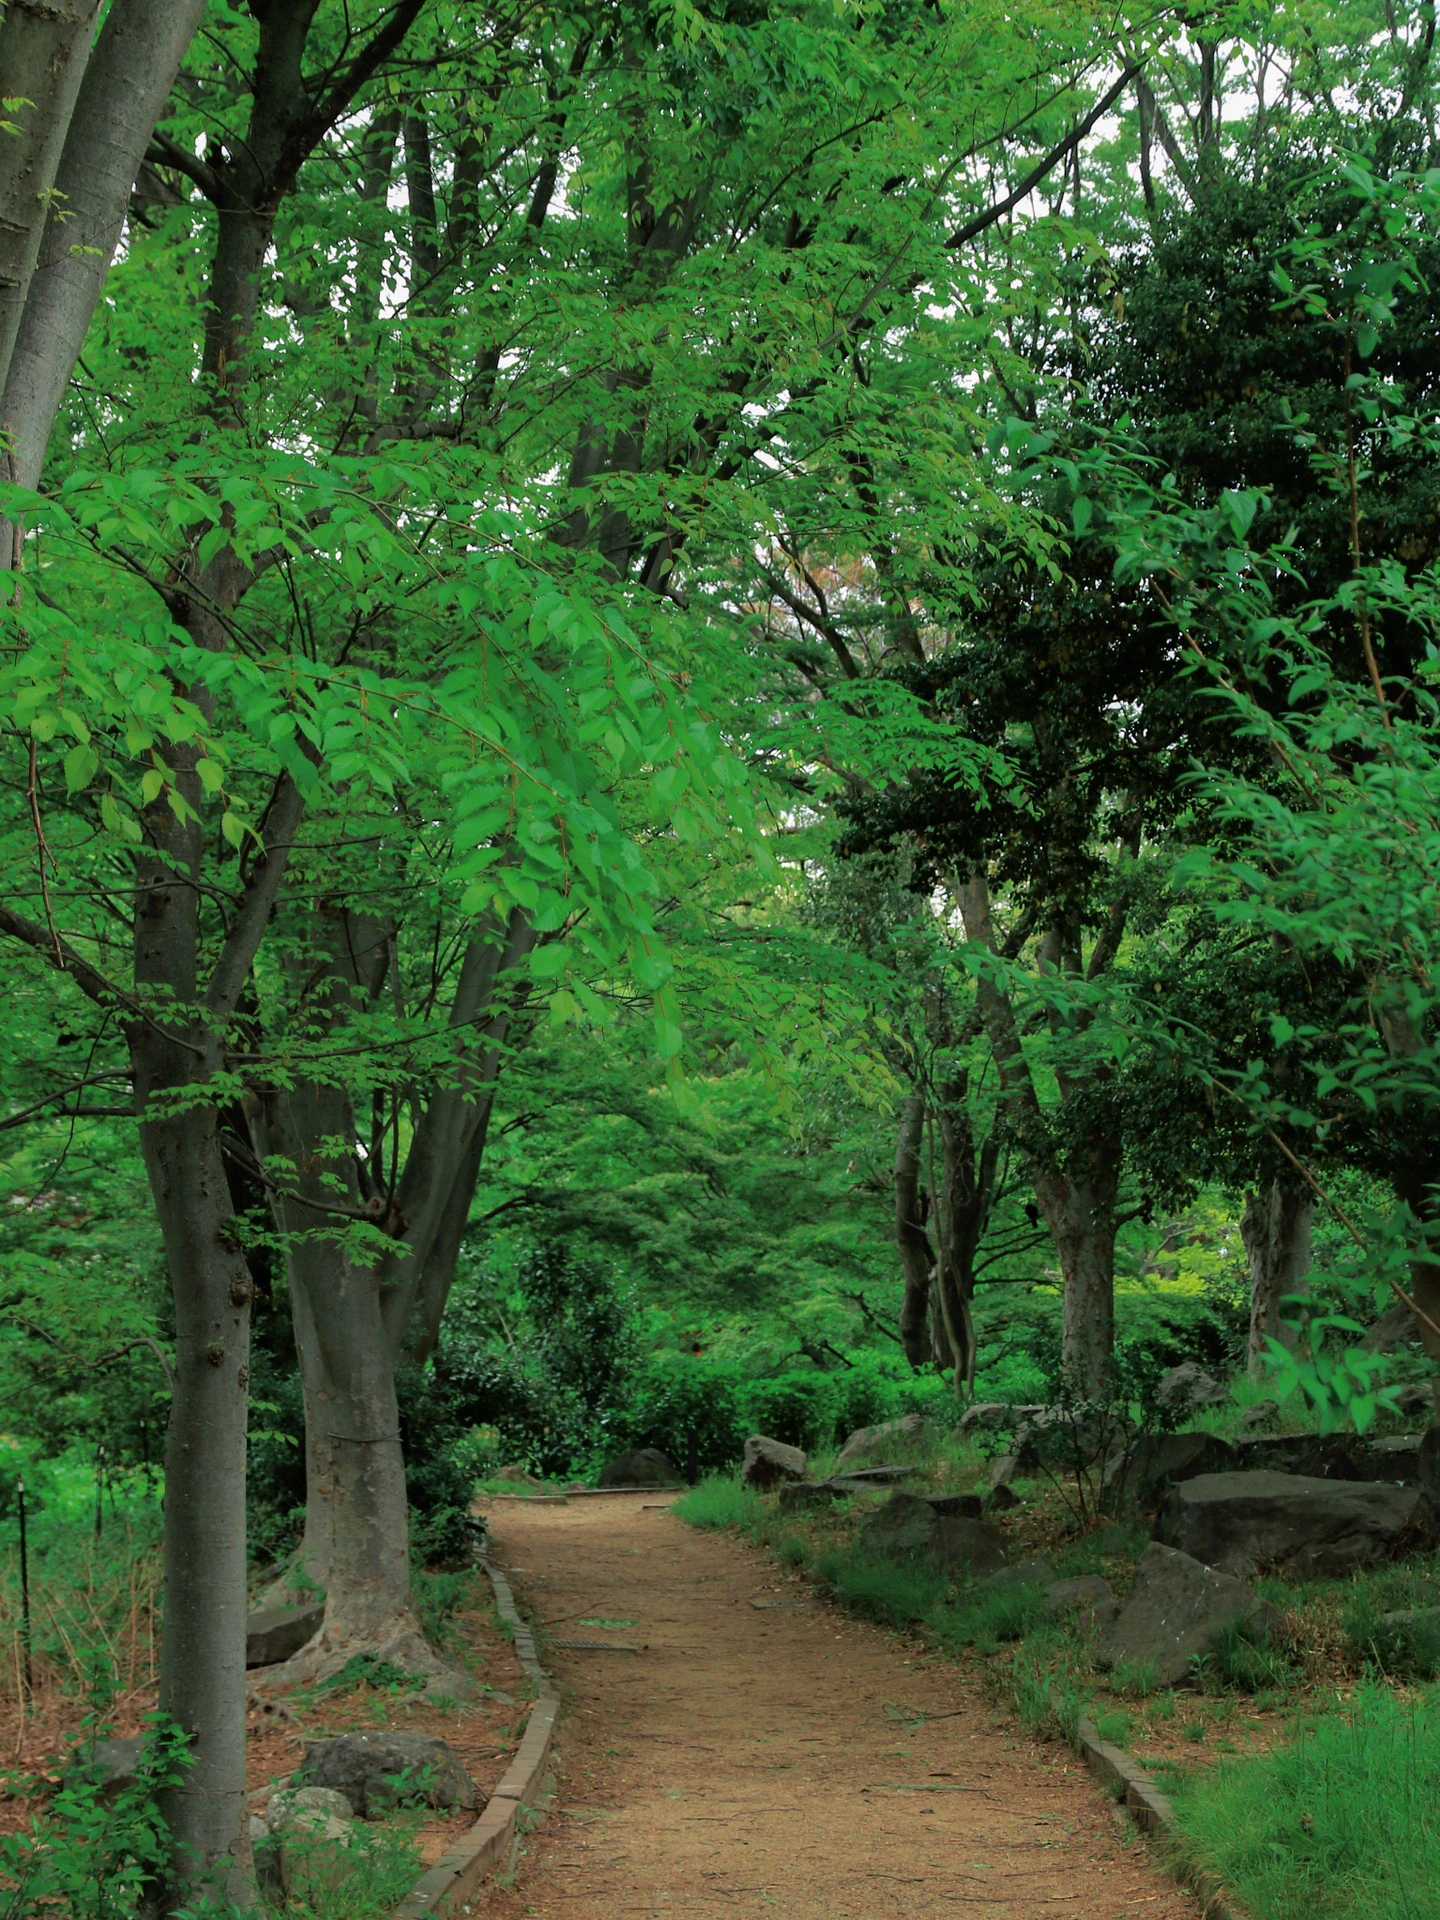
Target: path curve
760	1756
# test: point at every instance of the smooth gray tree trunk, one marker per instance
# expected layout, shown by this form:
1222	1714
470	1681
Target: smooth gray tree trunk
44	45
1276	1227
202	1648
126	84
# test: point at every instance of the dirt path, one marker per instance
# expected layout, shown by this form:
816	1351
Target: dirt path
763	1755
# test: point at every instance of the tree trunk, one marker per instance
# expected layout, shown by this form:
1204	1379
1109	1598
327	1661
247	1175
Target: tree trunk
44	45
1079	1209
202	1650
1275	1227
916	1256
123	94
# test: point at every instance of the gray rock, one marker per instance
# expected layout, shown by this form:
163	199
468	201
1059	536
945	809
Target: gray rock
798	1494
1086	1595
1141	1473
1258	1416
910	1433
769	1463
1177	1611
908	1528
1416	1402
379	1770
818	1493
1060	1439
995	1416
1393	1329
968	1506
1021	1573
315	1855
1332	1456
1000	1498
289	1804
1295	1523
642	1467
1000	1493
1188	1387
272	1634
111	1765
858	1479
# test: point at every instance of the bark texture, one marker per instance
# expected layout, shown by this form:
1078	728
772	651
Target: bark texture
1276	1227
126	84
44	45
916	1256
1077	1184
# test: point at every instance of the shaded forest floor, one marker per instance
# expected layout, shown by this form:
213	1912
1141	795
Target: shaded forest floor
761	1754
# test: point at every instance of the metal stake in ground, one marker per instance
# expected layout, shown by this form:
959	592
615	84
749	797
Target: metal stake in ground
24	1589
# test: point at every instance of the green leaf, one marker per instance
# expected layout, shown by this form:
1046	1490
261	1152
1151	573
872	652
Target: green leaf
82	763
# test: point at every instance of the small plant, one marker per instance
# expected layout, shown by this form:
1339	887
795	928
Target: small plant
1246	1660
93	1854
1136	1678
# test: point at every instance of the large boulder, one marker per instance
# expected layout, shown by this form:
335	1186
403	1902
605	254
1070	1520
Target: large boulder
911	1433
1061	1439
378	1770
1302	1526
1177	1611
1141	1473
642	1467
908	1528
272	1634
1086	1596
770	1463
1186	1389
1333	1456
995	1416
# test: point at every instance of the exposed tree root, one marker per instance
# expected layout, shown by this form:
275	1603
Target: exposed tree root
398	1644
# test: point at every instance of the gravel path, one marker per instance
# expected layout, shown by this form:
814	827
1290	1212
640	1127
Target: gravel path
762	1755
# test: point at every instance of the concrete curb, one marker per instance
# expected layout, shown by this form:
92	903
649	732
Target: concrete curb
448	1886
1149	1807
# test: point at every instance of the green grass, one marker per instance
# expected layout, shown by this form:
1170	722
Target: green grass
1343	1821
1046	1688
720	1502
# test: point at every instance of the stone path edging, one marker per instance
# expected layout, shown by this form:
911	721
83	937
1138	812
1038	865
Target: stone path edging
447	1887
1150	1808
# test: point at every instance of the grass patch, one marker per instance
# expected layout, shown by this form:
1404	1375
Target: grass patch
720	1502
1343	1821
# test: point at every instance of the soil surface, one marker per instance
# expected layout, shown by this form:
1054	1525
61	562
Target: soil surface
762	1755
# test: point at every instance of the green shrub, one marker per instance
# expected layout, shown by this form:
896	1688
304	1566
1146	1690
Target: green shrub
690	1409
719	1502
1342	1820
92	1855
798	1408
